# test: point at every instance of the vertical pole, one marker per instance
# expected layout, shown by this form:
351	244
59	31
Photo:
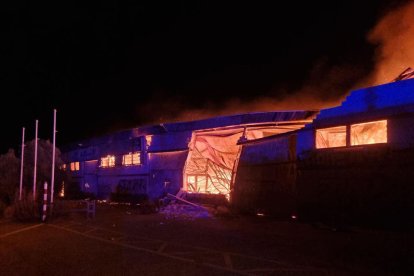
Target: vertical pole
348	135
52	180
35	164
21	167
44	202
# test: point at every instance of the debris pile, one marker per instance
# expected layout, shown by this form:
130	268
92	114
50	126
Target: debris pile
184	211
179	208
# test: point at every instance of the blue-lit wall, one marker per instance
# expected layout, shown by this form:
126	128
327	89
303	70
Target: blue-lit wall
364	184
392	101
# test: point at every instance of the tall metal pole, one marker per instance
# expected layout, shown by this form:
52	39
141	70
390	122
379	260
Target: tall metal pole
52	180
35	164
21	167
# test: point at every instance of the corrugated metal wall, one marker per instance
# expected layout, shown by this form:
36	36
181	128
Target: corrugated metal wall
265	179
370	184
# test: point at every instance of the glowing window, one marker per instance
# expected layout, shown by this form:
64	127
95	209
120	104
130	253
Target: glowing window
74	166
369	133
131	159
108	161
63	167
331	137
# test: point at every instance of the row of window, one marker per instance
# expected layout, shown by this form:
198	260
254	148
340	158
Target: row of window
360	134
109	161
73	166
132	158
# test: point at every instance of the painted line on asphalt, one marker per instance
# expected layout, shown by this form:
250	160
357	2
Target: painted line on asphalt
150	251
162	247
204	249
90	230
226	256
21	230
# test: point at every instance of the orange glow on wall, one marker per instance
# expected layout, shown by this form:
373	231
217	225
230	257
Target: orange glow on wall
331	137
62	190
148	139
369	133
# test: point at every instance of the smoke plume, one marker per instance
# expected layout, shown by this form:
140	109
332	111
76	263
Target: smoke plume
326	85
394	37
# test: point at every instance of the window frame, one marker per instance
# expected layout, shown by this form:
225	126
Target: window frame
133	161
352	144
74	166
345	127
348	130
109	163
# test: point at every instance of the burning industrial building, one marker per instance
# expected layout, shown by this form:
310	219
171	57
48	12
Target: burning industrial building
352	161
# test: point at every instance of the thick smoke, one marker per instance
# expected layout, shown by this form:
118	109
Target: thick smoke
326	85
394	37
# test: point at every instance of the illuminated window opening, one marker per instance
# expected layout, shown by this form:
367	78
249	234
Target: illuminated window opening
331	137
131	159
63	167
197	184
148	140
108	161
74	166
369	133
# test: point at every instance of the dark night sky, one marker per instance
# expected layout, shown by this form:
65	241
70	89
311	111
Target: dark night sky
121	64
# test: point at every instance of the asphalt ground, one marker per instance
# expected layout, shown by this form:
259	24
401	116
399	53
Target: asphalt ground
120	241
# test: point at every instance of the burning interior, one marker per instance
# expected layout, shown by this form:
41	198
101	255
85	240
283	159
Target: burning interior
212	160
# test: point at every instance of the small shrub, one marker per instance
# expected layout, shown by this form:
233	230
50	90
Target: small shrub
25	209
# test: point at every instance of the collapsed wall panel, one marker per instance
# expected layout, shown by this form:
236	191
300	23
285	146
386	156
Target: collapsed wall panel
211	161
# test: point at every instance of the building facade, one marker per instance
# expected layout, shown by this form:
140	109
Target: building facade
350	162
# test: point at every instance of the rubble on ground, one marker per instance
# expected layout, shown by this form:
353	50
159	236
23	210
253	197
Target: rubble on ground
184	211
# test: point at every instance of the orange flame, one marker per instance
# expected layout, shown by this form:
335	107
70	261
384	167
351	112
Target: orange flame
394	37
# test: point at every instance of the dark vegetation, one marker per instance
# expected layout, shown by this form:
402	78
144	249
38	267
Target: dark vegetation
28	207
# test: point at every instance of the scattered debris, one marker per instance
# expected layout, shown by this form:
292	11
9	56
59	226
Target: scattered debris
177	207
184	211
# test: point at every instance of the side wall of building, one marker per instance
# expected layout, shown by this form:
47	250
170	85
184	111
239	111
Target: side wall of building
166	174
359	184
265	178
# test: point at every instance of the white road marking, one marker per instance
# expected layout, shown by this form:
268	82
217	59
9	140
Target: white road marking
20	230
149	251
